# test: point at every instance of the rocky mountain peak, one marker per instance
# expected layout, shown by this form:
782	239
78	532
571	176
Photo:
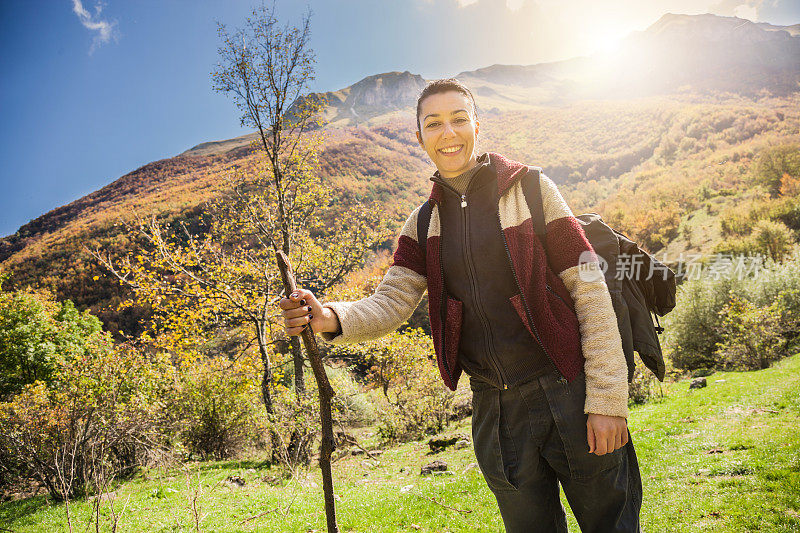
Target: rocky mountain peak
713	29
390	90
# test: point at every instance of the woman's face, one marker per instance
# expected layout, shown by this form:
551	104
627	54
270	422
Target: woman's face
448	133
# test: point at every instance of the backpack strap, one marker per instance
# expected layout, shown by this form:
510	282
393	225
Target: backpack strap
532	190
659	328
423	221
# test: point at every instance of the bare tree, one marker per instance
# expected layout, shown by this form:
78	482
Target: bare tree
267	68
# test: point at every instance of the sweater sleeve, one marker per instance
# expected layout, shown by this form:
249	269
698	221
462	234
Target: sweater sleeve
394	299
578	267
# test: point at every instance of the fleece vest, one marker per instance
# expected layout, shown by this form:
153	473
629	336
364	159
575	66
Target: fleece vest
495	346
541	301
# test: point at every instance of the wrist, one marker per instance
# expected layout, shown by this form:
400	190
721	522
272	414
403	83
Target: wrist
330	322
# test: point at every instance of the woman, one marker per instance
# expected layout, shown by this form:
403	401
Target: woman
530	322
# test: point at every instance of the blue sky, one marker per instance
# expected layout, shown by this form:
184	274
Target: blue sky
92	91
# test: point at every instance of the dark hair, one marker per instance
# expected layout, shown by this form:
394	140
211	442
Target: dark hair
442	86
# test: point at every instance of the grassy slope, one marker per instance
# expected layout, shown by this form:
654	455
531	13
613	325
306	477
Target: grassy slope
751	484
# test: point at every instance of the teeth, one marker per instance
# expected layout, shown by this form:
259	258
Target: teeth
451	149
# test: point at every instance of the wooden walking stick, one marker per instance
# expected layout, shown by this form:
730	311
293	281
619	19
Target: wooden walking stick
326	392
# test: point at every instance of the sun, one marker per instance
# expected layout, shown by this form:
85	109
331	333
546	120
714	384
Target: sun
606	42
604	38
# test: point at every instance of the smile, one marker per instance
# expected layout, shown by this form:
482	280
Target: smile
451	149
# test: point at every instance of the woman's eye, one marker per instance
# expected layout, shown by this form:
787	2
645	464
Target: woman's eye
460	120
432	124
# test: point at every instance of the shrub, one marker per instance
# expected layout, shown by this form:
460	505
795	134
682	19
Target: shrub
779	282
768	238
99	418
351	405
36	334
219	407
294	426
714	320
691	332
736	222
752	336
772	239
416	402
776	162
640	389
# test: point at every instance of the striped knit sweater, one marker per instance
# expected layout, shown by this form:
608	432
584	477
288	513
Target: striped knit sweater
564	301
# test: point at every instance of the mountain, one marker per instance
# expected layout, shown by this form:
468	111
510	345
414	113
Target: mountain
659	137
373	96
705	53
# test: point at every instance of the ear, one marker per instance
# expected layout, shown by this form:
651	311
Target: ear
419	140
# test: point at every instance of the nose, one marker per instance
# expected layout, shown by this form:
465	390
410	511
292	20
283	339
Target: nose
449	131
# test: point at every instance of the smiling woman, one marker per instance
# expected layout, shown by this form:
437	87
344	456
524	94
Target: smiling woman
447	130
538	339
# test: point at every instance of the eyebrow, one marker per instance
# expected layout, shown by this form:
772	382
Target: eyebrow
437	114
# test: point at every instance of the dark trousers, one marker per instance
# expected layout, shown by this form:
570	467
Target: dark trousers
531	437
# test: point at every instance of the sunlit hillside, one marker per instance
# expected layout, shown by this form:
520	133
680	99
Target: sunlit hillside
671	160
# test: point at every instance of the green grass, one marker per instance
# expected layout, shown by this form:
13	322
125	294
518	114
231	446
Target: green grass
750	483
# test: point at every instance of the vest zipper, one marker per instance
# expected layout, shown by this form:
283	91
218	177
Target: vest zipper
522	294
478	308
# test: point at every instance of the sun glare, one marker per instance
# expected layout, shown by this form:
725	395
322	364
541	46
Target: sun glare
606	42
604	36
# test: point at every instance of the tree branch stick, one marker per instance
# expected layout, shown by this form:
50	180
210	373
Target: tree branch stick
326	392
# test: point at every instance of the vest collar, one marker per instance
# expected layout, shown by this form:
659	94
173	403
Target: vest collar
507	170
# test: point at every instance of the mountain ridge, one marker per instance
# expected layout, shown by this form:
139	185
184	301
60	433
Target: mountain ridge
774	65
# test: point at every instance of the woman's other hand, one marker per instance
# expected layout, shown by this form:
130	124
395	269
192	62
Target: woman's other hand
606	433
302	308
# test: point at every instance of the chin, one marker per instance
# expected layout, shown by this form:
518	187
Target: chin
452	166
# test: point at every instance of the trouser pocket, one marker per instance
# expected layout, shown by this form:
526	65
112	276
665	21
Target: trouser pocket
494	447
566	402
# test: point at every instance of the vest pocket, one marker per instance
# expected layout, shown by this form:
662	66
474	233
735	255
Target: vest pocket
519	307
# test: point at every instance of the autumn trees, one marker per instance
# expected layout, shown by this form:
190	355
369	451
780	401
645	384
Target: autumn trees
76	410
36	333
222	276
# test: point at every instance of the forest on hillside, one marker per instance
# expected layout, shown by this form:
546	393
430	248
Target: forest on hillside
669	172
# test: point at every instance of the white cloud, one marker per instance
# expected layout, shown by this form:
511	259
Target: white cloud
746	11
465	3
104	28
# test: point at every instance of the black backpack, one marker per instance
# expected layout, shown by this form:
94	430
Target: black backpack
638	287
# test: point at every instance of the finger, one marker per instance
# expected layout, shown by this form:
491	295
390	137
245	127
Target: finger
299	295
295	331
297	312
287	303
625	437
617	441
590	437
297	322
601	446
